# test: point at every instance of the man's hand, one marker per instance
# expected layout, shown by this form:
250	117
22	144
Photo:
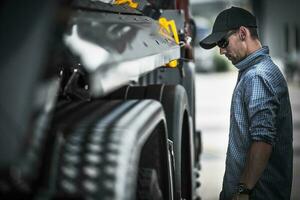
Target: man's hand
241	197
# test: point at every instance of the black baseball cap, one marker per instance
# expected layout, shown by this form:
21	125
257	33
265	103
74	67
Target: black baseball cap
229	19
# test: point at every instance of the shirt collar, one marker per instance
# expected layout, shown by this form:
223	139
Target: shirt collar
264	51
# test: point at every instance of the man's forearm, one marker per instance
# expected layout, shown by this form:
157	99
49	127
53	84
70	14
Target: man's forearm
257	160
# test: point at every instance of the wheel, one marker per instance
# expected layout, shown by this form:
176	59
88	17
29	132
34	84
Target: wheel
180	129
98	152
175	104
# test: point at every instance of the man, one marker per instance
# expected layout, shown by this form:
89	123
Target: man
259	157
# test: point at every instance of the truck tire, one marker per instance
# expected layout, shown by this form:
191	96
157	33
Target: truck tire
175	103
98	157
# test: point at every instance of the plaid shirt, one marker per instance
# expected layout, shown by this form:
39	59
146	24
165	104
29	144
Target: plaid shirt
260	111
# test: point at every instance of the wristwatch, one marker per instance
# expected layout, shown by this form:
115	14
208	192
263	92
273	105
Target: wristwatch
242	189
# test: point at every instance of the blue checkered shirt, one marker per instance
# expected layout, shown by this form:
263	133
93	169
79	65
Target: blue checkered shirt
260	111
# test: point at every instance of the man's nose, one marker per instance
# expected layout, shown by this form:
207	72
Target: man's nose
222	50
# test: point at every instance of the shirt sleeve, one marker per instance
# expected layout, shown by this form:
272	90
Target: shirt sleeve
262	106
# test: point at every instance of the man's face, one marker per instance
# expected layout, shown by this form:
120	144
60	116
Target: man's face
234	48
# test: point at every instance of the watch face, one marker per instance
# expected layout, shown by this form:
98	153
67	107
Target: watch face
242	189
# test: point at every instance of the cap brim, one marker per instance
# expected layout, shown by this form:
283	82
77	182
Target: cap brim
211	40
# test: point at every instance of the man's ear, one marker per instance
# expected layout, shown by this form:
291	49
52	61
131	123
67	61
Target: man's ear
243	33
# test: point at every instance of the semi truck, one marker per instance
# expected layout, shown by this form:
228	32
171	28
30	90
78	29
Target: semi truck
98	100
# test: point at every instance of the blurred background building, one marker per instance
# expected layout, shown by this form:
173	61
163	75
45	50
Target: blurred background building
279	28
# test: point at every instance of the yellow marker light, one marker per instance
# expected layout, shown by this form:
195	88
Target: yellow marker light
172	63
168	29
129	2
167	24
